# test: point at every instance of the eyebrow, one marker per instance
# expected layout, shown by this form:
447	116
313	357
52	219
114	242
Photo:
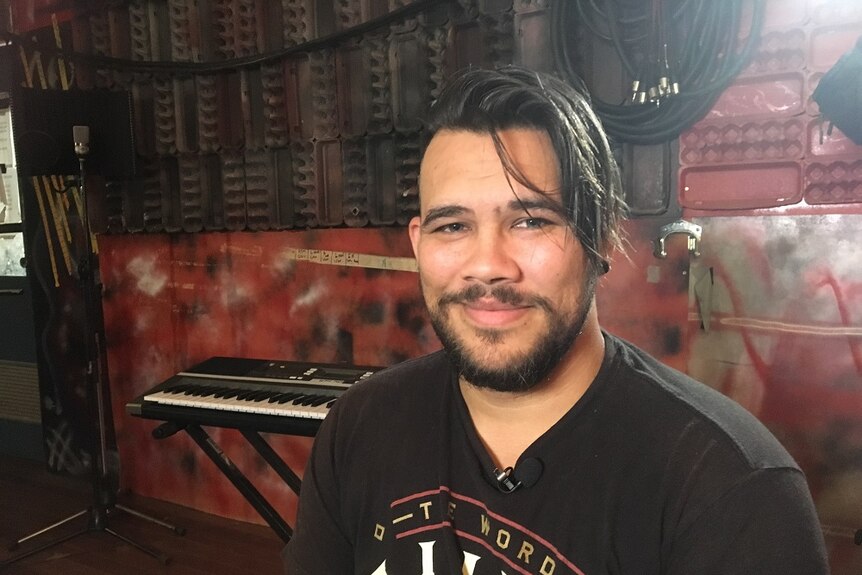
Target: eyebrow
441	212
540	203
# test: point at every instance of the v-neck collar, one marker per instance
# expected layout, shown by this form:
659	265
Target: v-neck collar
541	447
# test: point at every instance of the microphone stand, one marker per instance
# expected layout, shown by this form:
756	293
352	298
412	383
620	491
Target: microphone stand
103	496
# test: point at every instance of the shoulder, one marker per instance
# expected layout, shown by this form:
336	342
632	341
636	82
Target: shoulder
400	389
697	413
410	374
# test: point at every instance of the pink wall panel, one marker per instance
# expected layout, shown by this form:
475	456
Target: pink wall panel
780	95
779	200
746	186
763	145
785	341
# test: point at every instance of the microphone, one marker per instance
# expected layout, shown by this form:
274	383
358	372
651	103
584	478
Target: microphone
527	475
81	136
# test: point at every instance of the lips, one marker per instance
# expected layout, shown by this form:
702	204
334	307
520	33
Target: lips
493	313
491	305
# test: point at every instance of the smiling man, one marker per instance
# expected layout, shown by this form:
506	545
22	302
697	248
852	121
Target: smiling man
535	442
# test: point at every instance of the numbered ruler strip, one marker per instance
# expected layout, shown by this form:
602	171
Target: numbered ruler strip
351	259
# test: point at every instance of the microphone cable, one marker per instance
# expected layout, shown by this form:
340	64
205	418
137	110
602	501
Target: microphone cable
668	94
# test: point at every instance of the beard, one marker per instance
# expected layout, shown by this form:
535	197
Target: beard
525	370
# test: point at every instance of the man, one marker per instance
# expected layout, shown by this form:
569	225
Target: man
535	442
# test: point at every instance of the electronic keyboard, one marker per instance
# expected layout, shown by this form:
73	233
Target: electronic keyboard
264	395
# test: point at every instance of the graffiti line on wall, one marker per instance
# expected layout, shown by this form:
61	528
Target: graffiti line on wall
351	259
771	325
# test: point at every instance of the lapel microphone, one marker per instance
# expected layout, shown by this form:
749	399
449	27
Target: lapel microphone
527	475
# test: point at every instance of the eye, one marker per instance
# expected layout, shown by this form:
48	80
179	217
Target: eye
533	223
450	228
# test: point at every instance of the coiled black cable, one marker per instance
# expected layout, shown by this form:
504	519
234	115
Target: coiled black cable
703	34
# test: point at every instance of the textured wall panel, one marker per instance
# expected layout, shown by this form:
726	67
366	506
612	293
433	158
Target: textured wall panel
213	190
250	38
499	33
185	100
286	208
165	113
838	182
225	25
778	51
533	40
829	43
329	185
761	96
823	143
305	182
408	148
150	197
141	31
230	117
824	12
410	87
207	113
323	94
354	84
143	107
169	182
649	175
181	33
120	33
745	186
100	43
467	46
253	116
383	190
380	84
113	208
233	182
274	106
767	119
191	193
355	181
408	24
300	108
528	5
348	13
260	183
730	142
298	19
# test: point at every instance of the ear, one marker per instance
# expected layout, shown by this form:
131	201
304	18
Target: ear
414	229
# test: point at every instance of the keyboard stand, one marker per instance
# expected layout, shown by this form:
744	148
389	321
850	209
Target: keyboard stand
237	477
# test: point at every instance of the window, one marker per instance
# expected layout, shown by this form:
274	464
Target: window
11	230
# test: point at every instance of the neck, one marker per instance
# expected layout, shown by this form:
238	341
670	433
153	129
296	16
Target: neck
508	422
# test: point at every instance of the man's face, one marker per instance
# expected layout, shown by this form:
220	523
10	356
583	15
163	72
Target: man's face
506	282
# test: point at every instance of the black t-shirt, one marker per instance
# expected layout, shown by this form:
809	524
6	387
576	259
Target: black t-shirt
650	472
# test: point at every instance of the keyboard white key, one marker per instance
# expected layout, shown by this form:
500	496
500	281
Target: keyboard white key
261	405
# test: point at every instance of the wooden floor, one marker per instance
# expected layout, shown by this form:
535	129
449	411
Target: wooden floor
31	499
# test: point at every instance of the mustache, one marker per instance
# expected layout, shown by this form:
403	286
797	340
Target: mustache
503	293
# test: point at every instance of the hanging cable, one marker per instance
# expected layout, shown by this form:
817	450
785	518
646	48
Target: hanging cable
680	57
170	67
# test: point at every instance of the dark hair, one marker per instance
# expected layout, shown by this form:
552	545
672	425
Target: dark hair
488	101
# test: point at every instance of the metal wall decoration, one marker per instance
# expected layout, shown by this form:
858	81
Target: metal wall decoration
279	115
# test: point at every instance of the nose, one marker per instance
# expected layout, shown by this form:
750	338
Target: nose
491	259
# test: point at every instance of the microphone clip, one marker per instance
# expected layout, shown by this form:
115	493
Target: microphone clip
506	482
81	138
